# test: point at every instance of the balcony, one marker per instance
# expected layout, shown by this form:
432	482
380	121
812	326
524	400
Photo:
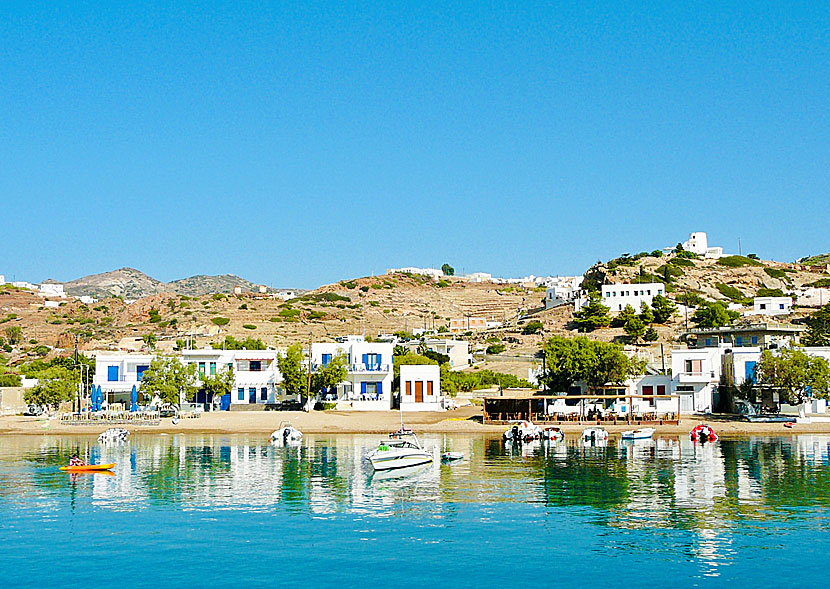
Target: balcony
705	376
370	368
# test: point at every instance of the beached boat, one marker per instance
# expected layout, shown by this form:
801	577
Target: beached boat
88	467
638	434
594	434
401	450
522	431
114	435
703	433
287	435
553	434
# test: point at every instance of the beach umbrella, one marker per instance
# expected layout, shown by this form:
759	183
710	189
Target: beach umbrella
134	400
98	399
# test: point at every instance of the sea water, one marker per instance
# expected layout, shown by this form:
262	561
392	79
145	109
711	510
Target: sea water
235	511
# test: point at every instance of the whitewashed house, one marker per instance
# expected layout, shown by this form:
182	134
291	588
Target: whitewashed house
695	377
116	374
617	296
421	388
771	306
257	379
457	350
368	384
698	243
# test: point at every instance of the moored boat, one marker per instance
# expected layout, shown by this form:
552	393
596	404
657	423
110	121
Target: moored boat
594	434
553	434
638	434
703	433
452	456
286	435
401	450
114	435
522	431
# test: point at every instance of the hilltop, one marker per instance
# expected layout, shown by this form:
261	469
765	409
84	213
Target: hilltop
132	284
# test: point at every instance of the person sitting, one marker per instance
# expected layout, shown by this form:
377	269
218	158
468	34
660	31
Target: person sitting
75	461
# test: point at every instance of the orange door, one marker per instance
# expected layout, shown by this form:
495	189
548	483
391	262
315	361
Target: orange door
429	388
419	391
409	388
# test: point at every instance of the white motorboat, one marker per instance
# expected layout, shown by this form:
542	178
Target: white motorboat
452	456
522	431
401	450
287	435
114	435
594	434
638	434
553	434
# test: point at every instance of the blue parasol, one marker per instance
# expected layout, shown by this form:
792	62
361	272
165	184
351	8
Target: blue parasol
134	400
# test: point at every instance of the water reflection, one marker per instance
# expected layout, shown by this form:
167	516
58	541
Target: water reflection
667	482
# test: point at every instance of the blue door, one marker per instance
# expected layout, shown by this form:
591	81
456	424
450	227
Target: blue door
225	402
139	370
112	373
252	395
749	371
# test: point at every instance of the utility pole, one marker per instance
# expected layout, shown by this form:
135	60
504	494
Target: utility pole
308	383
740	249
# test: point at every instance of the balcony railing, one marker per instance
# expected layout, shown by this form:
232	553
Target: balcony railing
128	377
364	368
704	376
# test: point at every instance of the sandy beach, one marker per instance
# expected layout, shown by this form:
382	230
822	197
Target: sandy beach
464	420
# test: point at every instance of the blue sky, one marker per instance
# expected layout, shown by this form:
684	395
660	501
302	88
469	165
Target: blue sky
299	144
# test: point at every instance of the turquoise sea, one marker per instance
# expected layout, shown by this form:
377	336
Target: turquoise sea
233	511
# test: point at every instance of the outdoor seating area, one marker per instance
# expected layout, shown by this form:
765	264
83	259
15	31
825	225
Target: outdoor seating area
111	417
585	410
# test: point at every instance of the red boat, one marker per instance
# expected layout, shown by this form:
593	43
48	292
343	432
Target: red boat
703	433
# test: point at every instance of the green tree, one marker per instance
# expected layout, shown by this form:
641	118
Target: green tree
635	329
14	335
624	316
217	385
448	270
714	315
294	371
651	335
818	328
662	308
532	327
593	315
568	360
149	340
55	385
329	376
794	374
646	314
170	379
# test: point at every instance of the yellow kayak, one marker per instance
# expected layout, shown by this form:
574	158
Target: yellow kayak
88	467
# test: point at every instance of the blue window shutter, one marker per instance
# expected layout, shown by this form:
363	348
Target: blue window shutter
380	388
363	388
749	369
365	359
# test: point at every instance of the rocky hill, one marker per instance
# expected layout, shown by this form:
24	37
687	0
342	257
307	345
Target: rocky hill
132	284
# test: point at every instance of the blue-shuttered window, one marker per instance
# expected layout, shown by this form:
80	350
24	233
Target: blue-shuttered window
363	388
241	393
112	373
326	359
380	389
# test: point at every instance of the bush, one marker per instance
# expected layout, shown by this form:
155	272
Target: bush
290	313
218	296
691	299
770	292
327	406
495	348
220	321
41	350
730	292
364	289
683	262
669	271
775	273
443	283
316	315
9	380
738	261
249	326
686	255
244	306
154	316
350	284
532	327
821	283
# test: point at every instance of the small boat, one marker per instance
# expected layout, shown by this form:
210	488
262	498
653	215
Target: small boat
522	431
287	435
789	424
88	467
452	456
703	433
594	434
554	434
638	434
114	435
401	450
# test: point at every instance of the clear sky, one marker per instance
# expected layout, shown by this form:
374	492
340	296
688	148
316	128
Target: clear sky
299	144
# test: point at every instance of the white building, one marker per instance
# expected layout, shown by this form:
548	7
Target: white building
771	306
368	384
24	284
812	297
479	277
434	272
698	244
457	350
617	296
421	388
695	377
2	279
51	290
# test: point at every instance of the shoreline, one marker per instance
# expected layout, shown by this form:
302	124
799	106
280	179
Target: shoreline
462	421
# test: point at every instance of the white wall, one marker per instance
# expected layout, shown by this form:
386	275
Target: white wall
772	306
423	373
617	296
